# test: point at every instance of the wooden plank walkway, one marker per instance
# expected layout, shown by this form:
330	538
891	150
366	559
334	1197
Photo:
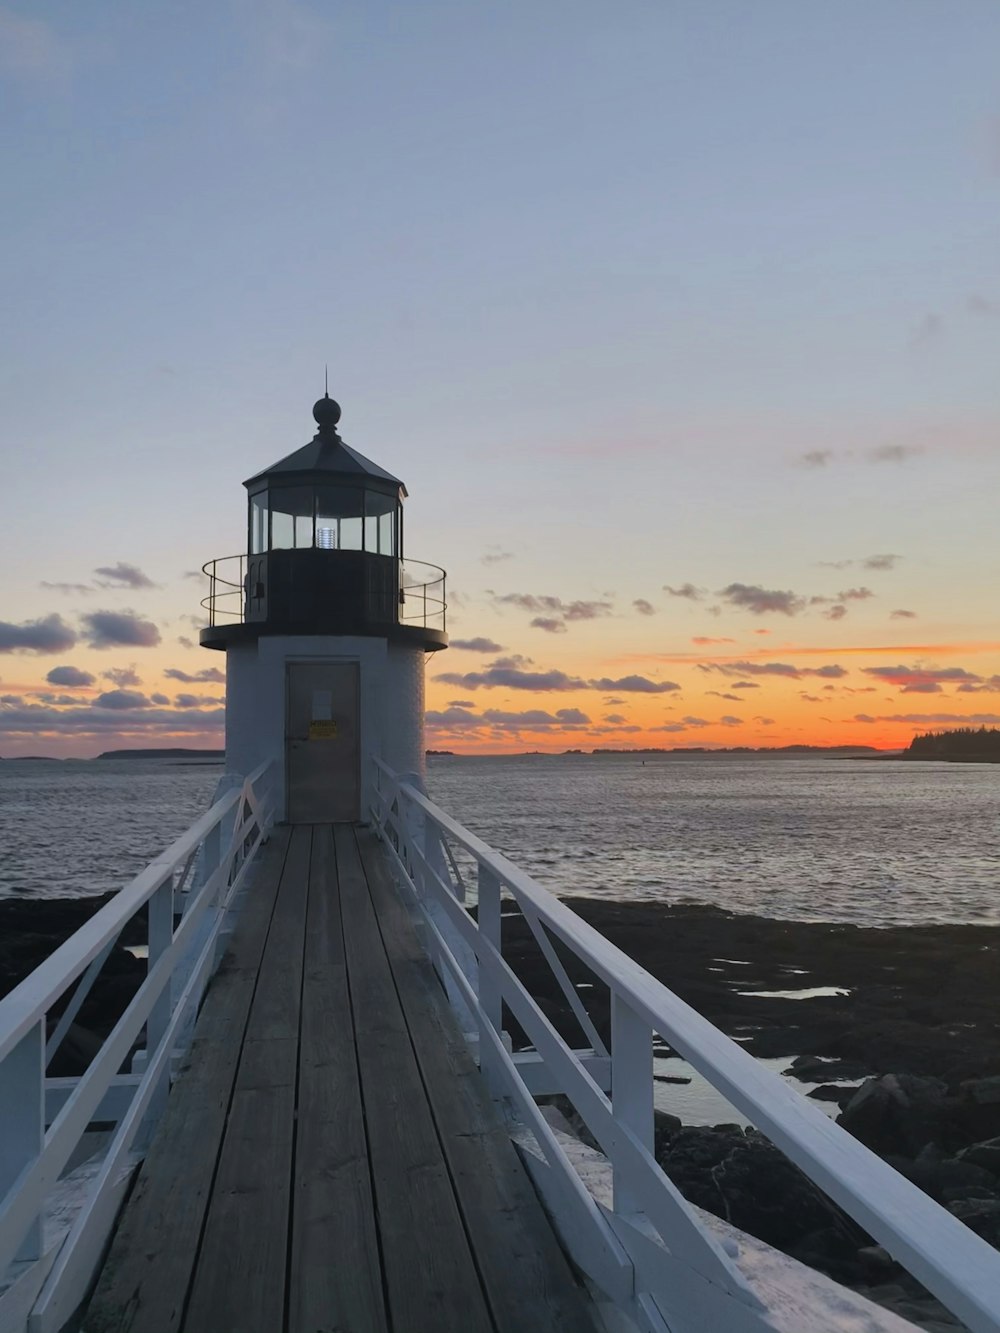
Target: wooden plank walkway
329	1161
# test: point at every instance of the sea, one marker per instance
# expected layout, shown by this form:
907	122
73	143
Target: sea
874	842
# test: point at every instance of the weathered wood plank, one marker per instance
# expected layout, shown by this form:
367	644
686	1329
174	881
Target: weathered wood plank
146	1277
239	1279
431	1280
335	1275
525	1273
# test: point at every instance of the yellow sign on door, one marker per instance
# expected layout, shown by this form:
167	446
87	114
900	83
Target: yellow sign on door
322	730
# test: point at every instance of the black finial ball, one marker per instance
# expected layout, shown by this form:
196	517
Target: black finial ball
326	413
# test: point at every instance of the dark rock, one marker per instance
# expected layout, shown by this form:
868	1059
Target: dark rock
897	1114
810	1068
830	1092
947	1178
981	1216
986	1155
983	1091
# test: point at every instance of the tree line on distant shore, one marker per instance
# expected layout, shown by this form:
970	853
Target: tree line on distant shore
968	745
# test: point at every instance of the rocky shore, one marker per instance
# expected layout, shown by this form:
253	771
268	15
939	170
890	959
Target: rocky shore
914	1034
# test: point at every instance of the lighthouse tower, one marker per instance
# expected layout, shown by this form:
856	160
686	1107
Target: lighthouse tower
325	627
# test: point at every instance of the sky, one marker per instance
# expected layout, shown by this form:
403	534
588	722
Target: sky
680	321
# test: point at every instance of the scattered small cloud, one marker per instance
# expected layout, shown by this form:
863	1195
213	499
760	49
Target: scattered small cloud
702	640
123	575
837	612
198	701
746	685
50	634
727	720
815	458
785	670
160	699
977	304
635	685
477	645
643	607
616	718
212	674
765	721
894	453
184	641
881	562
110	629
122	676
121	700
722	694
70	676
499	676
921	680
930	719
70	589
549	624
495	555
686	590
901	614
763	601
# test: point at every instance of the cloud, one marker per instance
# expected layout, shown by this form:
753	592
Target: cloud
122	676
900	614
184	641
686	590
765	721
198	701
509	673
193	574
495	555
69	675
36	720
835	612
921	680
722	694
925	719
894	453
727	720
476	645
989	686
815	458
123	575
50	634
635	685
535	718
500	675
643	607
886	561
746	685
212	674
549	624
783	669
982	305
121	699
763	601
107	629
159	699
578	610
702	640
73	589
615	717
460	703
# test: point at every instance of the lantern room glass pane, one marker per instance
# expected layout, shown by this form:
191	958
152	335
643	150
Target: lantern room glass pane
291	518
379	525
258	523
339	518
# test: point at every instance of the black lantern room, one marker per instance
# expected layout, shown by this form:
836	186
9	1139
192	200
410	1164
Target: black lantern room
325	553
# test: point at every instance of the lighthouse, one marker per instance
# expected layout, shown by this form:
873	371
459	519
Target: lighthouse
325	625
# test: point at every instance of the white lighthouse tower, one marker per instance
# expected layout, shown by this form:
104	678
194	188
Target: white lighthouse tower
325	627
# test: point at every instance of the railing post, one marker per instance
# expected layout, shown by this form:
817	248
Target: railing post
161	935
22	1119
490	1002
631	1088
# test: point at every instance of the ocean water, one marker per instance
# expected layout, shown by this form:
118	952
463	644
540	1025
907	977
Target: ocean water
82	827
867	841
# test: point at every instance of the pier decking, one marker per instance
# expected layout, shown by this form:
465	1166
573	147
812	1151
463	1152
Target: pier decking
329	1159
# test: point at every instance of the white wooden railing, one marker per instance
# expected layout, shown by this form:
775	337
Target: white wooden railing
649	1251
45	1269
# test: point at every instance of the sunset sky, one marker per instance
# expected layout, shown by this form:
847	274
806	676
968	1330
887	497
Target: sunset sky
680	320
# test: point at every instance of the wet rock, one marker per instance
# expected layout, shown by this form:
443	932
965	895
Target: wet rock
812	1069
830	1092
947	1178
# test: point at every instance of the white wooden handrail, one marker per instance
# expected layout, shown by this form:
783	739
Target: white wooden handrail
955	1264
41	1279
